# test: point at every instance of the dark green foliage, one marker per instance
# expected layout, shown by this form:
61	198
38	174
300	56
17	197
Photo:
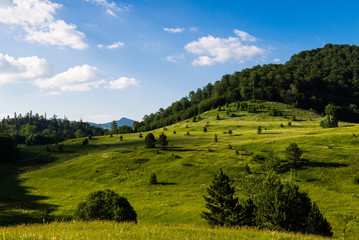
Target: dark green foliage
140	136
114	127
187	134
331	109
229	146
174	131
230	132
215	138
194	119
317	223
272	164
48	148
85	142
204	129
247	169
259	130
89	137
237	152
283	207
289	124
217	117
329	121
153	179
222	205
293	118
61	148
293	153
39	139
162	140
258	157
105	205
111	135
150	140
273	112
121	138
8	149
356	180
281	125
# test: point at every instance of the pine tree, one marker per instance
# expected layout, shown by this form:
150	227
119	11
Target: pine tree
150	140
222	206
162	140
293	153
153	179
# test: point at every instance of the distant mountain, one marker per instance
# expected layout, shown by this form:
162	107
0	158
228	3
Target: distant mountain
122	122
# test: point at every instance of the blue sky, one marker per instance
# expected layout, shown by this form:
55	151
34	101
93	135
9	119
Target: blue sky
101	60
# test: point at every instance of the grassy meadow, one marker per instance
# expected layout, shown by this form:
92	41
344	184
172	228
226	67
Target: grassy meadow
48	186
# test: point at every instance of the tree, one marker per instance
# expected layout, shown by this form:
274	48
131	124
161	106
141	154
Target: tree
217	117
105	205
293	153
230	132
153	179
79	133
150	140
85	142
329	121
162	140
204	129
215	138
223	207
259	130
114	127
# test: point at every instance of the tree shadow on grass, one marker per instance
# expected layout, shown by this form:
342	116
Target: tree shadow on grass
166	183
305	164
17	205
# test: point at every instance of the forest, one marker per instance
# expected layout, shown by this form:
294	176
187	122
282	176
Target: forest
309	80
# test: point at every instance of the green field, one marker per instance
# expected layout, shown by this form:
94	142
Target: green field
49	185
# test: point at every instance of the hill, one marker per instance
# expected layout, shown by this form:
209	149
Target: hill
122	122
310	80
50	184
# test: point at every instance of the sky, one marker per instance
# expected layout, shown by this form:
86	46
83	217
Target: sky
101	60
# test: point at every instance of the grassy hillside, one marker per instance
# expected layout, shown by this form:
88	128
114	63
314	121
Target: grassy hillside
112	230
53	187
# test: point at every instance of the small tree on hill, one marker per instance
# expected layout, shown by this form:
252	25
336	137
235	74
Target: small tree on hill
293	153
153	179
150	140
329	121
204	129
85	142
162	140
217	117
215	138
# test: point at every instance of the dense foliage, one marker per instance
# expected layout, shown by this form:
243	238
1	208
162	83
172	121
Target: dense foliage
310	80
272	205
105	205
7	149
35	129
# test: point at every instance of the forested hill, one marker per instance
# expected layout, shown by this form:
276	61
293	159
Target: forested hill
309	80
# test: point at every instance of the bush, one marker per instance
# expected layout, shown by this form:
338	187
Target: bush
293	153
215	138
105	205
204	129
329	121
85	142
150	140
259	130
230	132
153	179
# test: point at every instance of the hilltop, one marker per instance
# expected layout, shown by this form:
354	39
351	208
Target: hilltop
51	184
122	122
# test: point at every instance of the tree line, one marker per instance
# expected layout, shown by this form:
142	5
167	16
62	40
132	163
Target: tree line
310	80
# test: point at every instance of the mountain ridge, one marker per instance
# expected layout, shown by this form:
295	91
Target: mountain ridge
122	122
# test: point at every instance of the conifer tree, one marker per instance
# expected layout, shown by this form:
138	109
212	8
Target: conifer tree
150	140
293	153
221	203
162	140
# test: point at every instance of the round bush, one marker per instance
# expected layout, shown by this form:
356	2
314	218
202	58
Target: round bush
105	205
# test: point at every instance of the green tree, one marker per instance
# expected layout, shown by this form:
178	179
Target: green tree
215	138
293	153
153	179
114	127
105	205
259	130
204	129
162	140
28	129
329	121
221	203
150	140
79	133
85	142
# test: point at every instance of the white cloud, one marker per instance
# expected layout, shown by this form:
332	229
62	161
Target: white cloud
76	79
245	37
276	60
36	17
23	69
109	7
174	30
54	93
194	29
112	46
100	118
175	58
123	82
214	50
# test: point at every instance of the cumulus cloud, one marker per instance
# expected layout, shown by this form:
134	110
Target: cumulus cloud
78	79
173	30
110	7
219	50
245	37
112	46
123	82
36	18
23	69
276	60
175	58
